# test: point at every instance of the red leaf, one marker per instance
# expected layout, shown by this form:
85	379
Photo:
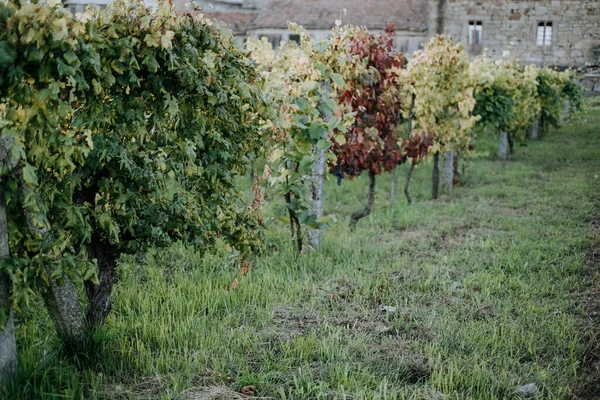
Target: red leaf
248	390
245	268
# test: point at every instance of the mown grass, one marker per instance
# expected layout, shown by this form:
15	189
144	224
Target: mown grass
485	283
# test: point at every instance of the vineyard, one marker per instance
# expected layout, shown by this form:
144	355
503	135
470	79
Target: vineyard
184	216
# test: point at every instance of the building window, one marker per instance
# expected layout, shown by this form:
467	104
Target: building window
475	32
294	38
544	33
274	40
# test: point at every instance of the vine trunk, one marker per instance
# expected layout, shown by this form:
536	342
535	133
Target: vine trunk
356	216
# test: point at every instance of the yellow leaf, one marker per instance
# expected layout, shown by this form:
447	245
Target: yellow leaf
166	40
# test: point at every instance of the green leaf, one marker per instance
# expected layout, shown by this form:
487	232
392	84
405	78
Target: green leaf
309	86
316	130
70	57
322	68
323	144
340	139
332	123
338	79
29	175
4	317
8	54
303	146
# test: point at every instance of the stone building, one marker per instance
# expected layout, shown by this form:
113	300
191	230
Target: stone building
77	6
269	18
563	33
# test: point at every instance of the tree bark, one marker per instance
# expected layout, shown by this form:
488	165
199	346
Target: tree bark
65	309
99	303
448	171
436	176
412	165
455	173
535	130
61	298
408	176
8	343
295	228
511	143
314	235
356	216
503	146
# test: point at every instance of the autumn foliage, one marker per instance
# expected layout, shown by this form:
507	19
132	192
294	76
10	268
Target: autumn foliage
371	144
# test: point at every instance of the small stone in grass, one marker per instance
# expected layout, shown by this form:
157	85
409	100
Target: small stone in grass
381	329
529	391
388	308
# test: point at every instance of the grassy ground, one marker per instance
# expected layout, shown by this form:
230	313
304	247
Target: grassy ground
485	284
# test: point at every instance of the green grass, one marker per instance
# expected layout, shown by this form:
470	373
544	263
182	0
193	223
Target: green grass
485	283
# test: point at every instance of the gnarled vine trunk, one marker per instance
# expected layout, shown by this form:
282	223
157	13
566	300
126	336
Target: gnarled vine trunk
99	303
448	171
356	216
503	146
64	307
435	191
8	343
295	227
317	189
511	143
412	165
535	130
407	183
567	109
60	297
456	172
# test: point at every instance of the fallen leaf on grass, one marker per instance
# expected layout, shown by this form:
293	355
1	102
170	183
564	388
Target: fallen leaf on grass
248	390
245	268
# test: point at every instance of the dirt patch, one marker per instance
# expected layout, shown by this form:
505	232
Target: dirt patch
289	324
411	234
401	363
464	234
589	385
215	393
154	387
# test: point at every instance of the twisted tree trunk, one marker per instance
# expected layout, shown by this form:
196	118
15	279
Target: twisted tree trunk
456	173
356	216
511	143
448	171
567	109
535	130
295	228
406	185
503	146
412	165
317	189
8	343
436	176
60	297
99	303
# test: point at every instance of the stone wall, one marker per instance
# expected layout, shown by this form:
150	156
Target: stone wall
591	83
512	25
